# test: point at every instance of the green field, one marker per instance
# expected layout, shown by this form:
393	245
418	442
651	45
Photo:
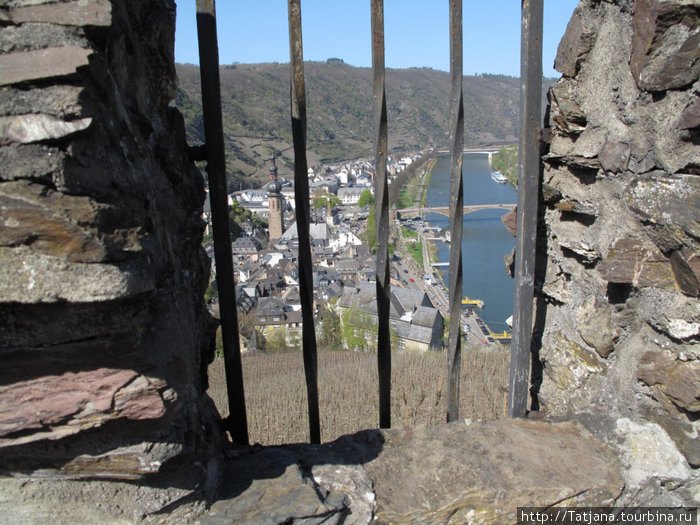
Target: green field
409	233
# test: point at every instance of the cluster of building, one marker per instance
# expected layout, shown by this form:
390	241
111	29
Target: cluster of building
344	272
345	181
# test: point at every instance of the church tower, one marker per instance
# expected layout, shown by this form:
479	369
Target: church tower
274	202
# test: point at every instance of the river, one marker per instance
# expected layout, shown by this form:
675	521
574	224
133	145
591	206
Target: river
484	241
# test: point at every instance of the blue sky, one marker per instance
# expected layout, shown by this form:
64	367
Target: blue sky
417	33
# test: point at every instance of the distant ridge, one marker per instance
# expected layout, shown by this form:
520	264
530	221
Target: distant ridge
255	100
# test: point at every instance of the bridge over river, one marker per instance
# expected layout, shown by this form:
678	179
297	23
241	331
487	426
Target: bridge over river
445	210
486	150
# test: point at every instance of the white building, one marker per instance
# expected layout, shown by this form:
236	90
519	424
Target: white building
289	197
343	177
252	196
350	196
343	237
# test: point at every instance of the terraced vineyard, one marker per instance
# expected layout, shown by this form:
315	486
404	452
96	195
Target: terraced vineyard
276	392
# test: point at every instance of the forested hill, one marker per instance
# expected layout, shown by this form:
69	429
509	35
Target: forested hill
255	100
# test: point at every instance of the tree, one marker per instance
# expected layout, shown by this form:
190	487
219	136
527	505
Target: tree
330	336
322	201
260	222
319	202
506	162
276	340
366	198
211	292
237	215
246	323
358	326
359	330
371	231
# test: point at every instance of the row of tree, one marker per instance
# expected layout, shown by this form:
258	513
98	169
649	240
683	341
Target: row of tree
505	161
277	340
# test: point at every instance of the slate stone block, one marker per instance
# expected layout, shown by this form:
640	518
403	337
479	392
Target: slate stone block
665	45
42	64
75	13
575	44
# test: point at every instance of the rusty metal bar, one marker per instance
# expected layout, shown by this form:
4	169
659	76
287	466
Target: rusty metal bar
381	210
236	422
528	185
301	194
454	349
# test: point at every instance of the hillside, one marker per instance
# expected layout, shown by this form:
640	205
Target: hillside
255	101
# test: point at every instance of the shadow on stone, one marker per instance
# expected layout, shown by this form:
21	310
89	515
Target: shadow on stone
275	484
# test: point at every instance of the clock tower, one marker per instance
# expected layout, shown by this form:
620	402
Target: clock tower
275	200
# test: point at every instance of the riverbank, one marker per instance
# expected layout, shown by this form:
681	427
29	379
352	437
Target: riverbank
484	241
427	175
505	161
414	190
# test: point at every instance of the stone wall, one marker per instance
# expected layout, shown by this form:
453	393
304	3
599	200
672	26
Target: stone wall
618	310
104	337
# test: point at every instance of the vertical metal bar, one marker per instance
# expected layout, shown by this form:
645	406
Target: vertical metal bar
237	423
301	194
528	184
381	210
454	349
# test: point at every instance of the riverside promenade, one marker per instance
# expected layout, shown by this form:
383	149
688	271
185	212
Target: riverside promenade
435	289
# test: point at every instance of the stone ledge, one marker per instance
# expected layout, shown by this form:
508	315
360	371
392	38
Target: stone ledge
76	13
463	472
53	62
37	278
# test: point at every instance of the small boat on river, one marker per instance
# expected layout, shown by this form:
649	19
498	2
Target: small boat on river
472	303
499	177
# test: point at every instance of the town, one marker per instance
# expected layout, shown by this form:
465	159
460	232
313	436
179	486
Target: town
265	252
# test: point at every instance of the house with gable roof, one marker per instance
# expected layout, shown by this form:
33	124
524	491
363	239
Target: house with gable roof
416	323
272	317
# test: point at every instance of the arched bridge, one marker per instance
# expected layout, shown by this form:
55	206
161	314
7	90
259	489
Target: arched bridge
445	210
490	151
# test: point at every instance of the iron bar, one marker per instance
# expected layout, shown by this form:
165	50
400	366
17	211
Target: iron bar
454	349
528	186
301	194
381	210
236	422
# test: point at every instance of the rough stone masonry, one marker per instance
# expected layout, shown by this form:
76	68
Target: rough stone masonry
104	338
619	253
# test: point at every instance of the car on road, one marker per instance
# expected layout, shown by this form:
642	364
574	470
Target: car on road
412	280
